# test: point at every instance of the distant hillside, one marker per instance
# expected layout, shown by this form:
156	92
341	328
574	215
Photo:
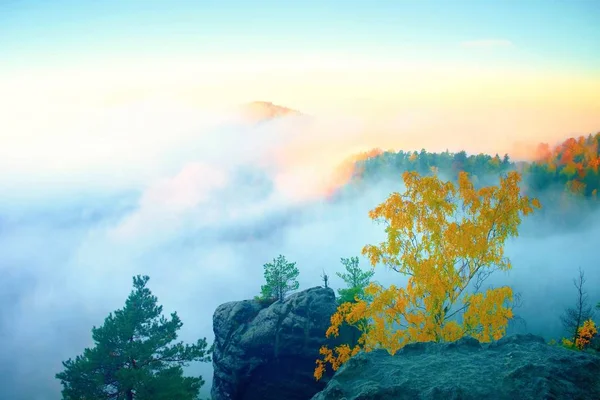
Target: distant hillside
260	111
573	165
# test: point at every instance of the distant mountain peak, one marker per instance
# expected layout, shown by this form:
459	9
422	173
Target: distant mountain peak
258	111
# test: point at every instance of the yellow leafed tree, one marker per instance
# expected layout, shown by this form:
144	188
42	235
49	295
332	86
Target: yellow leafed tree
443	237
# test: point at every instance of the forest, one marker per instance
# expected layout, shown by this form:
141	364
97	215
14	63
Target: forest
572	166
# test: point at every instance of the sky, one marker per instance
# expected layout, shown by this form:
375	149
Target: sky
509	74
121	150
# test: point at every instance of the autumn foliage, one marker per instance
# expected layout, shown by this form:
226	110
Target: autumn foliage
585	333
443	237
574	163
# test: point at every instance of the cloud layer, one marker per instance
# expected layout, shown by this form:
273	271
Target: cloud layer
200	201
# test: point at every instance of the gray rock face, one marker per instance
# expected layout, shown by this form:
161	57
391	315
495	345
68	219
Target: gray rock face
269	352
515	367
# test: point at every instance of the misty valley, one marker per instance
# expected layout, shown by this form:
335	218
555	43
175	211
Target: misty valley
299	200
445	230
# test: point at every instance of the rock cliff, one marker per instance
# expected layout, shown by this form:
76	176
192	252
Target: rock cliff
269	352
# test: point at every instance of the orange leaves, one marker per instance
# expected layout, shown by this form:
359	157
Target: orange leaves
357	312
594	163
419	211
585	334
427	221
441	236
342	354
486	316
543	152
335	358
574	160
580	170
319	370
452	331
337	319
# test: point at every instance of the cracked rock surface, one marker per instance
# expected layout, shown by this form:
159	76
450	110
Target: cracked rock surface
269	352
515	367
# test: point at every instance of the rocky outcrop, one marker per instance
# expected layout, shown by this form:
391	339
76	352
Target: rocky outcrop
269	352
515	367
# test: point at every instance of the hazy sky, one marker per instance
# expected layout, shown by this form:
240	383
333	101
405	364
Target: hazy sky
120	153
499	78
542	53
559	36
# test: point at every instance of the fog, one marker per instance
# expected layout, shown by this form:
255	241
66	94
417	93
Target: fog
199	201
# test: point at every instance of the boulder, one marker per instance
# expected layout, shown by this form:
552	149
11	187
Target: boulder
269	351
514	367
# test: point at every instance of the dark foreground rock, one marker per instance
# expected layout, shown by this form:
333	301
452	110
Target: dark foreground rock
515	367
269	352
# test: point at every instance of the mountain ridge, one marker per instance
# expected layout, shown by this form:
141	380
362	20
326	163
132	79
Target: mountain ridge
261	111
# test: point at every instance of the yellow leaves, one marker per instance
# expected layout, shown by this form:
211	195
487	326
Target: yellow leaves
372	289
357	312
342	354
337	319
319	370
566	342
585	334
428	215
372	253
452	331
486	316
464	183
441	236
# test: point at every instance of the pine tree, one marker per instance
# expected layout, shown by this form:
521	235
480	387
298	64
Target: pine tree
281	278
133	357
356	280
